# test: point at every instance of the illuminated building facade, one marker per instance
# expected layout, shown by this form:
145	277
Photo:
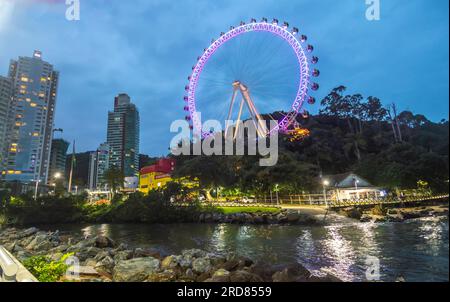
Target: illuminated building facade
123	135
30	119
156	176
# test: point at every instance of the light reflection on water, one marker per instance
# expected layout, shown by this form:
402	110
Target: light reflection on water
416	249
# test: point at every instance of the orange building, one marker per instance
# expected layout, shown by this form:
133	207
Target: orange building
156	176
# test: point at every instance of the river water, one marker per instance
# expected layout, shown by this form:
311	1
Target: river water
417	250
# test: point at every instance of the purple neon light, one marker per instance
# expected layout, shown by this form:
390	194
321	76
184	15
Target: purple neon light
261	26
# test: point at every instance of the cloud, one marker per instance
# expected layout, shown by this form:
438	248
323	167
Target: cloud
6	12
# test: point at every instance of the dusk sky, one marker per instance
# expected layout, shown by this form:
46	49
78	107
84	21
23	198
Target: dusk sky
146	48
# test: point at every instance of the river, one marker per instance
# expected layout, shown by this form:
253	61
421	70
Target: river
417	250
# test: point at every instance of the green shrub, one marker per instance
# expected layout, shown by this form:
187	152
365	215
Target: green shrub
46	270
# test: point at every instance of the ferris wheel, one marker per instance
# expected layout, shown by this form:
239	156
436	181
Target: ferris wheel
249	72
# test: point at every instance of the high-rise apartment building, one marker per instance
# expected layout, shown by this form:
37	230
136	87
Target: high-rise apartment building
5	101
30	119
98	165
123	135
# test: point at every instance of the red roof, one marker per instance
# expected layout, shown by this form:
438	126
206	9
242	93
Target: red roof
165	165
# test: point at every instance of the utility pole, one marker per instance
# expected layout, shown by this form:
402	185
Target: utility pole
72	162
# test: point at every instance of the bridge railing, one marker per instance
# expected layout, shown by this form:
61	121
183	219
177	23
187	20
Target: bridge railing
11	270
387	200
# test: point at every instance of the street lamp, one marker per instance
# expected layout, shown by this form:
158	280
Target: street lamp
36	188
57	175
325	184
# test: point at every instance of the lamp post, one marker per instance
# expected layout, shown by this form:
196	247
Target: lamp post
325	184
356	181
36	188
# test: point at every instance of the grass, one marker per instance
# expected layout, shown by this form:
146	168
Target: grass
250	209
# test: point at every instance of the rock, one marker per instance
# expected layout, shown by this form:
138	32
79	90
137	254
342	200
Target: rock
140	253
90	262
86	253
102	254
83	244
281	218
264	270
40	242
189	274
123	255
258	219
376	218
165	276
230	265
22	255
292	273
352	212
365	218
293	216
395	217
28	232
104	242
106	265
201	265
392	211
195	253
135	270
221	272
244	276
169	262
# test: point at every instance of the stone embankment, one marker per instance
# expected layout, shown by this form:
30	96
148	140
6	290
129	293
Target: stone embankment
103	260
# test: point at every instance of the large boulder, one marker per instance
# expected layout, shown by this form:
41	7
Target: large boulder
40	243
292	216
201	265
85	253
106	265
123	255
28	232
103	242
352	212
135	270
264	270
292	273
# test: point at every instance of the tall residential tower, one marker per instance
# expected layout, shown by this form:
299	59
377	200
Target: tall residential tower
123	135
30	119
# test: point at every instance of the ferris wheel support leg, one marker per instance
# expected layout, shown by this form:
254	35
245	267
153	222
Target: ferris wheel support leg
233	98
238	119
259	122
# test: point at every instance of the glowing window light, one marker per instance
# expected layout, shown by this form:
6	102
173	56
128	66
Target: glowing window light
24	79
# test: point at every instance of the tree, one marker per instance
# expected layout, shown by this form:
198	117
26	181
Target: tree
114	178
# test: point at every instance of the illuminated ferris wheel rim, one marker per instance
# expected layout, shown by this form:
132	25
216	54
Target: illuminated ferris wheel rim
279	30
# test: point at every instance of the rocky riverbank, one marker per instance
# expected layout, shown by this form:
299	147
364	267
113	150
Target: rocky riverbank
294	217
103	260
378	214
